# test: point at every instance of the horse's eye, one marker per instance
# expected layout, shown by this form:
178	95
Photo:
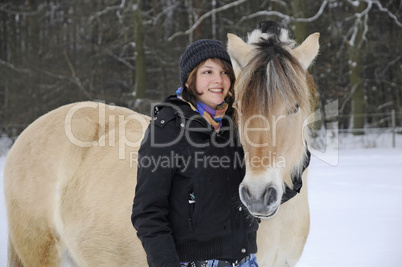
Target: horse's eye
294	109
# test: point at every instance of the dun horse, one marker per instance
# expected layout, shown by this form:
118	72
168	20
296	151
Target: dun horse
70	176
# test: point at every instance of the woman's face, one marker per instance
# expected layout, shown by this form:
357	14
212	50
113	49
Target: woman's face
212	83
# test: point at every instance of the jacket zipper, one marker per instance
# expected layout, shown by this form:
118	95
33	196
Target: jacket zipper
191	202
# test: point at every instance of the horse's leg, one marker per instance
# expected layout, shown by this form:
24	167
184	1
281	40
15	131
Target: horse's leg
281	239
30	244
267	243
280	242
298	226
31	238
28	195
13	258
95	212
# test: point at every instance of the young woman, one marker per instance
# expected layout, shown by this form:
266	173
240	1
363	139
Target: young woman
187	210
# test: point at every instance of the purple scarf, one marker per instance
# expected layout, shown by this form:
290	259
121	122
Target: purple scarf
213	116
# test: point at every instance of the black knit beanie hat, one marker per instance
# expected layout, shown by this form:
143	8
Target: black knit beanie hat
199	51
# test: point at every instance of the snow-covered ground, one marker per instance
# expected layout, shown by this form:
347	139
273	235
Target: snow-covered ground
356	210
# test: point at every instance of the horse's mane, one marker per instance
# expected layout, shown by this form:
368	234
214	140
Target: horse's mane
273	78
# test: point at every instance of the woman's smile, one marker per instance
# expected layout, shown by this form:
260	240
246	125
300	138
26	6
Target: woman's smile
216	90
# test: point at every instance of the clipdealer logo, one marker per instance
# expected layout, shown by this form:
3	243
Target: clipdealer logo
117	122
202	160
120	122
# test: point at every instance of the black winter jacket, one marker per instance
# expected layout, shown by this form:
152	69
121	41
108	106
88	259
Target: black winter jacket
186	204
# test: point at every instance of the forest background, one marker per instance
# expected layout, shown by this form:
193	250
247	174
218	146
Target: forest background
127	52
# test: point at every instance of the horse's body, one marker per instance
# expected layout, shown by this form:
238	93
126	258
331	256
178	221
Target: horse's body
68	197
70	180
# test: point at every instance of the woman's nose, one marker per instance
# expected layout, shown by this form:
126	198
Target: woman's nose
218	78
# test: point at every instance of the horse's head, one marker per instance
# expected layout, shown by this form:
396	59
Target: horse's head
273	98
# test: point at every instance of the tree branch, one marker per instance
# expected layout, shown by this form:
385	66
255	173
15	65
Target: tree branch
23	13
203	17
286	17
264	13
356	26
391	15
390	64
106	10
74	77
14	68
121	60
316	16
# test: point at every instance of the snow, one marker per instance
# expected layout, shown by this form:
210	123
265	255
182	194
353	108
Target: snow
356	210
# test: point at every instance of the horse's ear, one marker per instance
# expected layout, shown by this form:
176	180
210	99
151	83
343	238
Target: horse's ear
308	50
238	49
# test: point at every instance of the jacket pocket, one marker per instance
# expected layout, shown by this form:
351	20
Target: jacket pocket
191	203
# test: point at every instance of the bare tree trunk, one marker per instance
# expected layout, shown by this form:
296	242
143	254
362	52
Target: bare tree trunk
190	19
198	30
301	31
140	67
213	19
356	73
301	28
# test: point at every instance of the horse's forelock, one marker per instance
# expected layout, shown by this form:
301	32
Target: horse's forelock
272	78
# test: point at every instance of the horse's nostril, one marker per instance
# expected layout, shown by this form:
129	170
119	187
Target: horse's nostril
271	195
245	193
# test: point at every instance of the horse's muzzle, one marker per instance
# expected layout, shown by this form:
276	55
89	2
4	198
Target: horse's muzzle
262	205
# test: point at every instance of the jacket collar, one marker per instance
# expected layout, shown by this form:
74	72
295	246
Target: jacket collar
183	110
